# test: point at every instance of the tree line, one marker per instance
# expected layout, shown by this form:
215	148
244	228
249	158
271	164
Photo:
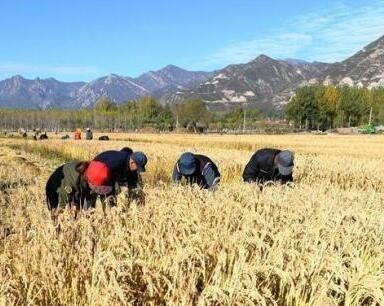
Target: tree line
146	112
311	107
325	107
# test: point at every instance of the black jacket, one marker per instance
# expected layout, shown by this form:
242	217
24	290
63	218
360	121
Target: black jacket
206	175
117	162
260	168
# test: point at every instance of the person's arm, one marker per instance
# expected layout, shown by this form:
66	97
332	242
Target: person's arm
89	201
132	180
176	176
211	177
72	200
137	194
287	179
109	199
135	187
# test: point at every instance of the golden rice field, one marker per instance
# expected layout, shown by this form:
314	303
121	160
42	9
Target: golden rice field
320	242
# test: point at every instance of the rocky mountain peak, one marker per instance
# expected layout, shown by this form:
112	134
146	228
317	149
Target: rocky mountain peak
262	59
263	82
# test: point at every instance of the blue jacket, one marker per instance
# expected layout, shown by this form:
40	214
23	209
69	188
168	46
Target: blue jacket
207	174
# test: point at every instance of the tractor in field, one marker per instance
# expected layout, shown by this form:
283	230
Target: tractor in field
368	129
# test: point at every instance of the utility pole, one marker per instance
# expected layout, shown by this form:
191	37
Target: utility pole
244	120
370	117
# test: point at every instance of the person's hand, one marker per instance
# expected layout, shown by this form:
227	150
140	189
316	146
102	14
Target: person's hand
111	201
75	207
290	184
138	195
213	188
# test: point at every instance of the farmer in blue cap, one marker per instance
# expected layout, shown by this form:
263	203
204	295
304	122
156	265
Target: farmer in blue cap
268	165
196	169
125	166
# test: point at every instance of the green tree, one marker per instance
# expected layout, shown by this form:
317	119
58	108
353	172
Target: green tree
192	112
303	107
105	105
377	104
352	105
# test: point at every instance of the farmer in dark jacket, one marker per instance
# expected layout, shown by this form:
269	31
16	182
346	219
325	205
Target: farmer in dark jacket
76	185
269	165
125	167
196	169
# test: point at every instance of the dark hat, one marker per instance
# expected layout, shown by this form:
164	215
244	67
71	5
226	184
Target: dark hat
140	159
187	163
285	162
127	150
99	177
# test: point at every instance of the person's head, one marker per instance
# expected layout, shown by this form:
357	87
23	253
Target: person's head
187	164
98	176
127	150
137	162
284	162
88	129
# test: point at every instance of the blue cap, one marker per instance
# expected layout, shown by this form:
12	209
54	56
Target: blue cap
140	159
187	163
285	161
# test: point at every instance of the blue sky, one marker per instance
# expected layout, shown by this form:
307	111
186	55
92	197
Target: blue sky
82	40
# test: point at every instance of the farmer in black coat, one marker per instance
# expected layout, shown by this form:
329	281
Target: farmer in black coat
268	165
196	169
125	166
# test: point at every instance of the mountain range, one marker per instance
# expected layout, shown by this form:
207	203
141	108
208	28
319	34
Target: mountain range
264	82
269	83
18	92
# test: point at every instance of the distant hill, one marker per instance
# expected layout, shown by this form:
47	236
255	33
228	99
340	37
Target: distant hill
264	82
365	68
269	84
113	86
171	76
260	82
19	92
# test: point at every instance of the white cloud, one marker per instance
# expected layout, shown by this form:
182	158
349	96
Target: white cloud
329	35
20	68
289	43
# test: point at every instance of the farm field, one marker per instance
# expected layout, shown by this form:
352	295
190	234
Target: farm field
319	242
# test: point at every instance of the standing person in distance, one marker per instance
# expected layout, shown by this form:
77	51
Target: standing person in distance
88	134
269	165
196	169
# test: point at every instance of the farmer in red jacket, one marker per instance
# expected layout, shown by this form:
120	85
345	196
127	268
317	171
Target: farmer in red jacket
76	185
